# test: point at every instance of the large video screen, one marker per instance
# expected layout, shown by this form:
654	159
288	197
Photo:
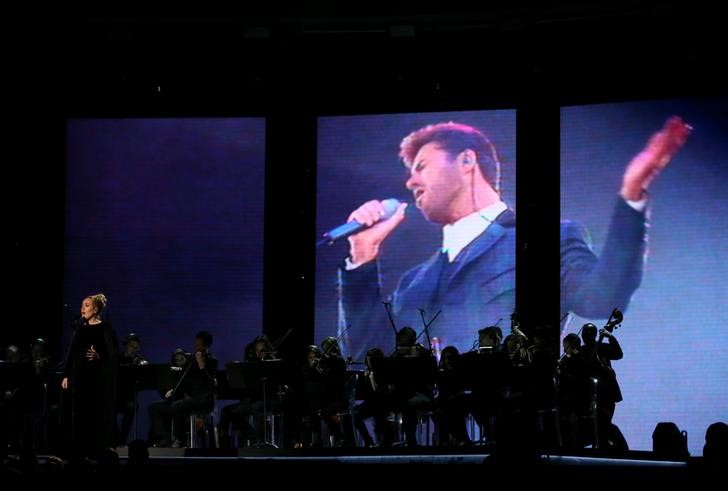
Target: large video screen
165	217
433	195
643	188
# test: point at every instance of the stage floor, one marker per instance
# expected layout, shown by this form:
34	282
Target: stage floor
427	465
423	455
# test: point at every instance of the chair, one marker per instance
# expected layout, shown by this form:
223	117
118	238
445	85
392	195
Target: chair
549	426
345	421
477	431
203	422
427	432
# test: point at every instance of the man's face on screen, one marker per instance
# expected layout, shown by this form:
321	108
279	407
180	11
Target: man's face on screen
437	184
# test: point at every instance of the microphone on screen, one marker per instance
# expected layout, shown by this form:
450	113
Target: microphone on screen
343	231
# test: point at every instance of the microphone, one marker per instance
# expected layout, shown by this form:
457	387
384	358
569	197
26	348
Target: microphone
343	231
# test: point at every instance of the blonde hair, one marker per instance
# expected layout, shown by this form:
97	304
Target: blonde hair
99	302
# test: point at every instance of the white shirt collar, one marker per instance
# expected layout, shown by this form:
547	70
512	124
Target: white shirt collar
456	236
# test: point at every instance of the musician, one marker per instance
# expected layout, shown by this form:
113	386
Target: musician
486	372
407	344
518	379
197	388
598	359
39	356
238	415
177	363
515	346
452	400
179	359
375	405
310	387
334	397
322	392
40	392
24	382
573	389
132	351
412	395
260	349
490	338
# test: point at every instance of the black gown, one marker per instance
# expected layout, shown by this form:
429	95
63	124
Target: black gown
92	384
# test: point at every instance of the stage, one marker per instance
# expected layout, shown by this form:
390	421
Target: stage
403	455
425	467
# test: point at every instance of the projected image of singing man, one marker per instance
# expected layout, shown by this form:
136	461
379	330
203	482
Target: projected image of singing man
454	178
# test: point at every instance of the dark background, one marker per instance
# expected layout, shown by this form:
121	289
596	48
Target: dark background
165	217
292	64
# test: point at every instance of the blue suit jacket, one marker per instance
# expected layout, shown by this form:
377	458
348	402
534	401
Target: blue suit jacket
593	286
478	288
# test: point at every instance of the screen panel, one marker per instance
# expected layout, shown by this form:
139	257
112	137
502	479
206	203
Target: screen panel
358	162
674	366
165	217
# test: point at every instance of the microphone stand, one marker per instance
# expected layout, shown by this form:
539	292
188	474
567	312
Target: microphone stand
387	306
264	379
427	325
71	356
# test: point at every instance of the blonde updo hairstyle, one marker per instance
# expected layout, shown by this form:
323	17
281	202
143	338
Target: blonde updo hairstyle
99	302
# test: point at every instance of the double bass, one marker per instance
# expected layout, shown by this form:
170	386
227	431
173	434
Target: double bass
614	321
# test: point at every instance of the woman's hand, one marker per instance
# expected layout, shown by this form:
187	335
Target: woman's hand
92	354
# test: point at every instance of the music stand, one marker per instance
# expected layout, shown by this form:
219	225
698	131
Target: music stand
409	375
485	374
252	375
229	388
125	380
234	375
406	371
357	385
157	376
